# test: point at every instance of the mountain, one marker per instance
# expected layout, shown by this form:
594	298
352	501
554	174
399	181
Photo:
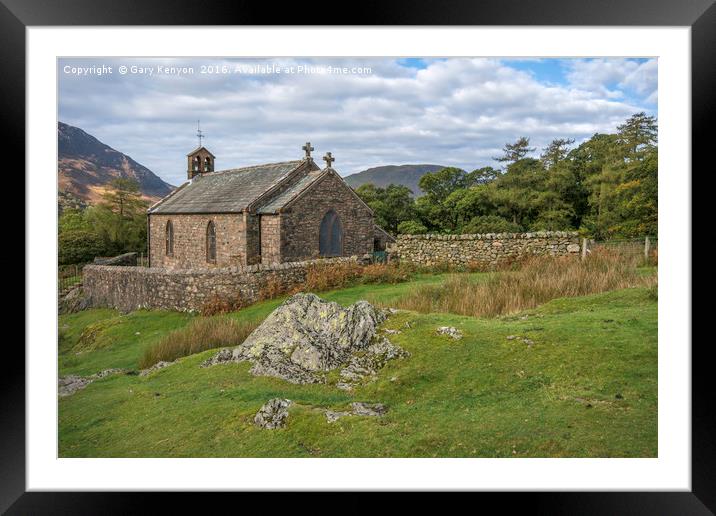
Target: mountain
86	166
407	175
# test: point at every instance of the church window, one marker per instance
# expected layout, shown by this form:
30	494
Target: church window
331	235
169	239
210	242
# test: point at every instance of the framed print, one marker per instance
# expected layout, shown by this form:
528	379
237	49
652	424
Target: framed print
418	252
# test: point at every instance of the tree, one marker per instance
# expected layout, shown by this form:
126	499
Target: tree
411	227
514	152
391	205
555	152
638	135
78	246
491	224
120	220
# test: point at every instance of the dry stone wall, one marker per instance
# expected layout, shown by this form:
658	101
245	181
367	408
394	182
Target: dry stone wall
481	249
132	288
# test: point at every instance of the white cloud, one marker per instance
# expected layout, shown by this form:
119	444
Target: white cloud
454	112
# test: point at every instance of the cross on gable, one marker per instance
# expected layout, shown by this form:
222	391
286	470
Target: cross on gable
329	159
307	148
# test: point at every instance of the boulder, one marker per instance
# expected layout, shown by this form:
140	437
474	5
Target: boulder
272	414
70	384
74	301
451	332
306	337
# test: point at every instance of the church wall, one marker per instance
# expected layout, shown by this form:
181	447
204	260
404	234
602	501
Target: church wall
253	239
190	240
270	238
301	221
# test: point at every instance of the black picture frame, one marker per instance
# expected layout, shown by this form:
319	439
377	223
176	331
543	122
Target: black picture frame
700	15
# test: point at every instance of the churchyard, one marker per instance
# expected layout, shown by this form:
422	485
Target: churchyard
568	375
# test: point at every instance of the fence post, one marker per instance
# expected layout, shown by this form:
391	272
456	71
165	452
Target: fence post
647	245
584	248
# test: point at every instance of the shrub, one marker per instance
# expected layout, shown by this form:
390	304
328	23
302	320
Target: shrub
491	224
411	227
324	276
537	280
79	246
220	305
199	335
385	273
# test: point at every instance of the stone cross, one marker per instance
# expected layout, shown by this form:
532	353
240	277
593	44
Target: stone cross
307	148
328	158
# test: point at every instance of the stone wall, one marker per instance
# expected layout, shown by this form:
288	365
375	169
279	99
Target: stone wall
487	249
190	240
132	288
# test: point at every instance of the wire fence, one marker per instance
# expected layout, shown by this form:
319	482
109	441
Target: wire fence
68	276
644	251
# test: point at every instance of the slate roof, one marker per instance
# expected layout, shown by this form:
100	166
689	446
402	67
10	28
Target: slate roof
226	191
282	199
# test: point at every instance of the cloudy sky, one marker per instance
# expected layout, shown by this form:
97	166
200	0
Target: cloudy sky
367	112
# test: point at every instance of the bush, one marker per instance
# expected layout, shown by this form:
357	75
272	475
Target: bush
220	305
199	335
535	281
79	246
411	227
491	224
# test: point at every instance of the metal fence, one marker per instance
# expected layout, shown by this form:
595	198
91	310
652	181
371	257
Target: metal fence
644	250
68	276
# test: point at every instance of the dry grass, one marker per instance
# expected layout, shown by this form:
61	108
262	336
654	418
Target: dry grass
321	277
201	334
538	280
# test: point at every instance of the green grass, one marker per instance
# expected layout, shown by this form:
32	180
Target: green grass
587	387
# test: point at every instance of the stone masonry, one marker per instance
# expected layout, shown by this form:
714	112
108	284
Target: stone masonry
482	249
132	288
301	220
190	240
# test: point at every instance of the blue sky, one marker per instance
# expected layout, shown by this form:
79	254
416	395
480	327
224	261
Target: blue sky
367	112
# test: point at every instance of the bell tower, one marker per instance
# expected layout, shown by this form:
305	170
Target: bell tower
200	160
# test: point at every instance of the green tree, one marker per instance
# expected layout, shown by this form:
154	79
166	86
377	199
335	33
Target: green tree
411	227
513	152
391	205
555	152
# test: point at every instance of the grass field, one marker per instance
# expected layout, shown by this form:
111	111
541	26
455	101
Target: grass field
587	387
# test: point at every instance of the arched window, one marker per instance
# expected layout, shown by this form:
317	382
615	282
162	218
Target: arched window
207	164
331	235
169	239
195	164
210	242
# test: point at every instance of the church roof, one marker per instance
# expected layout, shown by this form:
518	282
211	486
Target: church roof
287	195
227	191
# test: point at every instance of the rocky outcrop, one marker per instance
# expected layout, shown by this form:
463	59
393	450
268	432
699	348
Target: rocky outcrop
272	414
159	365
359	408
306	337
70	384
74	301
450	331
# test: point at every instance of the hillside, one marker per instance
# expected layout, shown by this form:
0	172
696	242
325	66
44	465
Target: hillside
86	166
407	175
486	395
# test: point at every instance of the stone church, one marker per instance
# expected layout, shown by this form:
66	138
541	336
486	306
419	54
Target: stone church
278	212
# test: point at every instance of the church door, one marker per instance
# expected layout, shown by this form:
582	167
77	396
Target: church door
331	235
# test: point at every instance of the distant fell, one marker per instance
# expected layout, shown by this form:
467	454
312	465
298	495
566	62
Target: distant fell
406	175
86	167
